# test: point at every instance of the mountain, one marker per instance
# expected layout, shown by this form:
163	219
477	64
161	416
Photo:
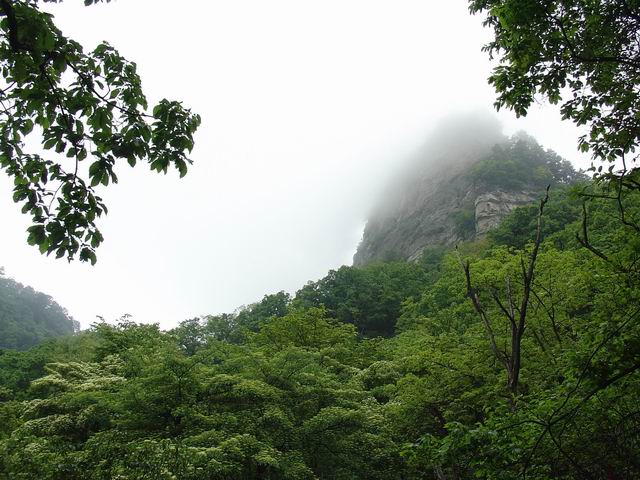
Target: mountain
391	371
467	177
28	317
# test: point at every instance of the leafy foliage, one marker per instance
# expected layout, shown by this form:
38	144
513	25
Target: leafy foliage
369	298
582	54
519	228
274	305
521	163
390	371
294	389
84	107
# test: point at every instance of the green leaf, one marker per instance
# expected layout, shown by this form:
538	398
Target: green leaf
48	144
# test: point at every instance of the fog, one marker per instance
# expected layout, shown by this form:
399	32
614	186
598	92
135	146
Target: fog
455	142
457	139
308	108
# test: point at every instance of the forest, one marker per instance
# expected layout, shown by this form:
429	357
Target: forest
28	317
384	371
510	355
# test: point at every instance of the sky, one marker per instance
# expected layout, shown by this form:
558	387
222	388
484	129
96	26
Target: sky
307	107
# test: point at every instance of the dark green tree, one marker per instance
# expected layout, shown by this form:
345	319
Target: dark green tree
28	317
273	305
582	54
370	297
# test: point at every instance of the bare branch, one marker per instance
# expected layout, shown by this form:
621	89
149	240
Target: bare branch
473	296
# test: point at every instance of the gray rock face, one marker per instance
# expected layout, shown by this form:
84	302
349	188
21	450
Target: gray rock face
447	211
462	184
423	214
492	207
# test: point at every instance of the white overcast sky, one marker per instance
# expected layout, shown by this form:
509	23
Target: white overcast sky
307	106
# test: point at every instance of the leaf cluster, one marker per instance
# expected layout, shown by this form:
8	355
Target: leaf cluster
89	113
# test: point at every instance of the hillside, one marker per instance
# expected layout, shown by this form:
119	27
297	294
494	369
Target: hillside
461	184
384	372
28	317
489	327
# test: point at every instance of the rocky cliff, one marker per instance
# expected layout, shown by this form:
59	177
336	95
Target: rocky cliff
461	185
491	208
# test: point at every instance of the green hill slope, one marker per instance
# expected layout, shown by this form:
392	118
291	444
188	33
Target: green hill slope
304	387
28	317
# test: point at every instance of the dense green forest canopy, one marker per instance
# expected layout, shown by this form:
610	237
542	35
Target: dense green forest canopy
512	356
306	387
522	163
28	317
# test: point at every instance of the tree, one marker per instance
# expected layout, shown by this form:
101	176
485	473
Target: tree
514	313
582	54
369	298
28	317
80	106
274	305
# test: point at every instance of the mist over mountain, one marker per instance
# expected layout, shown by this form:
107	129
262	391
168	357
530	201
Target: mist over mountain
467	176
28	317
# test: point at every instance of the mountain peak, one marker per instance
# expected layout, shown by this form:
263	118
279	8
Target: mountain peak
460	185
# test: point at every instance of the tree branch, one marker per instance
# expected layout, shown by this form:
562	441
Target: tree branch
12	22
473	296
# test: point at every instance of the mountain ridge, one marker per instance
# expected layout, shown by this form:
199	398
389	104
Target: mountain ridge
448	196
